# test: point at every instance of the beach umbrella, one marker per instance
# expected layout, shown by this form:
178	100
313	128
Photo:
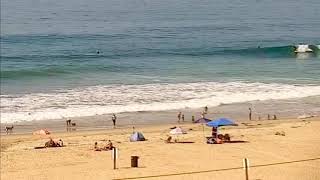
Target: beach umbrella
202	120
221	122
177	131
41	132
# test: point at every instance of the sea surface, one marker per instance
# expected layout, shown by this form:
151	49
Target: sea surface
70	58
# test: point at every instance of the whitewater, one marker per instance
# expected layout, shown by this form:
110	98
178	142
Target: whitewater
98	100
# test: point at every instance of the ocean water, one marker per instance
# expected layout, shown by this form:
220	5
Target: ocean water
81	58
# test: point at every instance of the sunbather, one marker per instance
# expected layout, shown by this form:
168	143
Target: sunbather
52	143
211	140
108	147
96	148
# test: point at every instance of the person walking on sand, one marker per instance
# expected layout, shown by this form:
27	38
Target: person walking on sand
114	119
182	117
179	117
250	114
206	109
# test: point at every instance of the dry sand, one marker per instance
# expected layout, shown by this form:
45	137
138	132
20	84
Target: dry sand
77	160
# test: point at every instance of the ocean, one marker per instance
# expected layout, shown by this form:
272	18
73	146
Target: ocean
82	58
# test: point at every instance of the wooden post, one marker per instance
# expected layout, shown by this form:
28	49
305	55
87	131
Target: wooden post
246	167
114	156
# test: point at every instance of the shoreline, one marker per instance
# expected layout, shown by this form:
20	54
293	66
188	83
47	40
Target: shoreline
283	109
154	98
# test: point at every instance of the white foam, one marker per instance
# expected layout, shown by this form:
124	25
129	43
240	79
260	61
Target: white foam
302	48
97	100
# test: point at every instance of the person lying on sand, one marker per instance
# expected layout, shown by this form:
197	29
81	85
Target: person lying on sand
52	143
225	137
211	140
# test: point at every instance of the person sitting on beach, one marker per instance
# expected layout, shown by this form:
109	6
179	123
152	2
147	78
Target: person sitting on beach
214	132
224	138
96	148
227	137
168	140
109	146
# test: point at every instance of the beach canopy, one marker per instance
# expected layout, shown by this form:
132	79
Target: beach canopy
221	122
41	132
137	136
178	131
202	120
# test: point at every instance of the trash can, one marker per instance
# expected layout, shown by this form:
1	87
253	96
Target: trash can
134	161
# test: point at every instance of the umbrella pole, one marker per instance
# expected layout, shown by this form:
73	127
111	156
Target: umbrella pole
203	130
205	139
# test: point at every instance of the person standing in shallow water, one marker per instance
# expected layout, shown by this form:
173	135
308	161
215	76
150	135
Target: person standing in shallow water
274	117
206	109
250	114
114	119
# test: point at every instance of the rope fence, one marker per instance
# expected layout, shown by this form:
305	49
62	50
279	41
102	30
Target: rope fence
217	170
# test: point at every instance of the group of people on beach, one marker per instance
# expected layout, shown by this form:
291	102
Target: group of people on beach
259	117
71	124
107	147
181	115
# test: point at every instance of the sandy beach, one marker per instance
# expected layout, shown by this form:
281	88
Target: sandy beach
296	155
